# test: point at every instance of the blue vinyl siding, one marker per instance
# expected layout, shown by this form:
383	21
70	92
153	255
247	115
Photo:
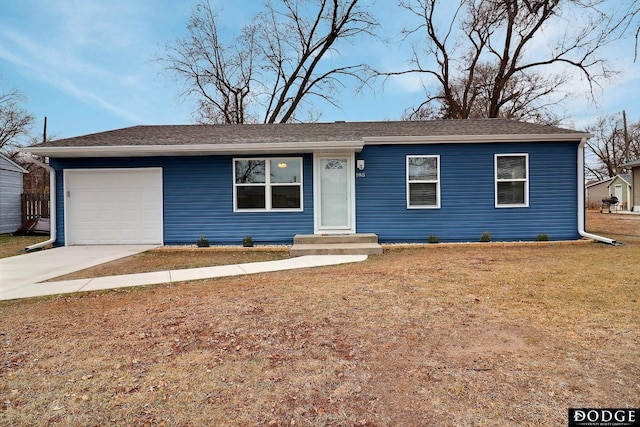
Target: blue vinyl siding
198	196
198	200
467	194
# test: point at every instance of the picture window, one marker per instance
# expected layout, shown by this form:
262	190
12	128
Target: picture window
269	184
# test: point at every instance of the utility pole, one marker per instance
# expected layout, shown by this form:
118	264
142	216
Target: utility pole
626	136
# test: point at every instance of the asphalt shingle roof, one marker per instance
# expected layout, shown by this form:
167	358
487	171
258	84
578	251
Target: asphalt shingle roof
626	177
631	164
301	132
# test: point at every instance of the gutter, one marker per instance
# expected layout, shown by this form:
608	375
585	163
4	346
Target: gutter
52	205
198	149
581	208
471	139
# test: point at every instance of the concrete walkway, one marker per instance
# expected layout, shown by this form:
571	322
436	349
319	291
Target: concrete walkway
26	290
43	265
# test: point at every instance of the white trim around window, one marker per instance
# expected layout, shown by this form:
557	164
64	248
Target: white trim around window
423	181
268	184
511	177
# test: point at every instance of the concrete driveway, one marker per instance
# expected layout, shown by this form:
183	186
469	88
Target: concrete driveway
35	267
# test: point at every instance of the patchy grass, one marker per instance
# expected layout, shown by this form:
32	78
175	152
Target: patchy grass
173	260
483	335
616	226
12	245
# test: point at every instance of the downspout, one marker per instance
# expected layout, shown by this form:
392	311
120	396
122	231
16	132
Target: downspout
52	205
581	206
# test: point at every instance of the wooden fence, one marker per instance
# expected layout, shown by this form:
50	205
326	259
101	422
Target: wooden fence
34	205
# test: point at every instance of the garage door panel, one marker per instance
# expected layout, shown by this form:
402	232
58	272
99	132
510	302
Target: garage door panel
113	206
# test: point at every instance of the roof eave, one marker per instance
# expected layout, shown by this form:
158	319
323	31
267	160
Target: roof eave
14	166
618	176
197	149
632	164
288	147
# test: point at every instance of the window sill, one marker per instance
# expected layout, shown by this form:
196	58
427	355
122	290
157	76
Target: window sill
510	206
423	207
266	210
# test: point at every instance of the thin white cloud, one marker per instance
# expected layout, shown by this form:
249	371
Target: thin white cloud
12	57
91	98
407	83
84	52
46	57
58	70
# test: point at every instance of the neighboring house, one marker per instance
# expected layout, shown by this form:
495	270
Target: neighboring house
620	187
635	184
11	176
596	192
403	181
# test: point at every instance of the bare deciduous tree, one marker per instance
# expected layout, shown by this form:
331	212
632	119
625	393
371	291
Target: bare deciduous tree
486	60
220	75
281	60
15	121
628	16
529	100
611	146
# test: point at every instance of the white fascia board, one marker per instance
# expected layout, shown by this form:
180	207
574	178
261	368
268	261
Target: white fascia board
13	166
471	139
626	182
14	169
197	149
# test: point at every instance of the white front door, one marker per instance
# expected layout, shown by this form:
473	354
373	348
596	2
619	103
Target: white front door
334	189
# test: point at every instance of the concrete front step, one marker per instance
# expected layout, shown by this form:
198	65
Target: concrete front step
313	239
336	249
336	244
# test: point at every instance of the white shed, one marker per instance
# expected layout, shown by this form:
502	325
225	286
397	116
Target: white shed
10	195
596	192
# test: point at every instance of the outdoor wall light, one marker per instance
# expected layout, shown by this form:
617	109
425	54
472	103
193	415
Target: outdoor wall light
360	164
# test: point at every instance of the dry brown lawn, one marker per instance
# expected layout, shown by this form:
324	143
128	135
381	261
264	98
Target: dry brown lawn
160	260
482	335
12	245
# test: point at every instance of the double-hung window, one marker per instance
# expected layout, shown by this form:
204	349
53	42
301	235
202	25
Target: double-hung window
270	184
512	180
423	182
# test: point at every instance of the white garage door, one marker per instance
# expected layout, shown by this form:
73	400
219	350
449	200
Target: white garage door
113	206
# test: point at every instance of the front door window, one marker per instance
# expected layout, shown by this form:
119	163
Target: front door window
335	200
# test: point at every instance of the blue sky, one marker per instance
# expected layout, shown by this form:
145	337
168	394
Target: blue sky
88	65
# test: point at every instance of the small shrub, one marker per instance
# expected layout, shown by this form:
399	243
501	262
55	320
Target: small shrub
433	239
247	242
202	242
486	237
542	237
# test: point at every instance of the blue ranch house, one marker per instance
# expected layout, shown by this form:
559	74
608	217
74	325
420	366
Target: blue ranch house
403	181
